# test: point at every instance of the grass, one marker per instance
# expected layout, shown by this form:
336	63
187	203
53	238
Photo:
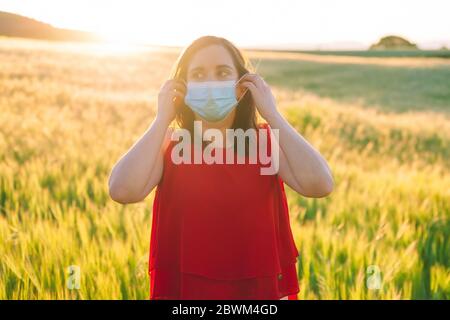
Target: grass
67	114
384	87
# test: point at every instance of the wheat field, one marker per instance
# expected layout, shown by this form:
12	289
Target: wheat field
69	111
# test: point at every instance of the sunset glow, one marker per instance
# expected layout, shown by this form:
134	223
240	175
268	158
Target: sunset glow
310	24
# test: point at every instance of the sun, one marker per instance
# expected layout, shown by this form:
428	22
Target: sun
124	34
144	24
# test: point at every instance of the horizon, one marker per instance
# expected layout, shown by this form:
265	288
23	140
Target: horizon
303	25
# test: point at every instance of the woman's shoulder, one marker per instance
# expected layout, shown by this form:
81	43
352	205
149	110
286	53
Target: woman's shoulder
171	130
264	130
172	137
263	125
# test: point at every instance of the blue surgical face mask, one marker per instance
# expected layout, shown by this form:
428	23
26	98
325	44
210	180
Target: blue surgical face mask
211	100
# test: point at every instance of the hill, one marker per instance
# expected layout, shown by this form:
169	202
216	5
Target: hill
14	25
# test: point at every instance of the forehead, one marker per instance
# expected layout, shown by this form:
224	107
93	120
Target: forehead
210	57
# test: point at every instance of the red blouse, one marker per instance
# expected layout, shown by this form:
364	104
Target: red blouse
221	231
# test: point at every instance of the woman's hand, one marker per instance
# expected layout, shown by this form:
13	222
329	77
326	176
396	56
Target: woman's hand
170	97
261	93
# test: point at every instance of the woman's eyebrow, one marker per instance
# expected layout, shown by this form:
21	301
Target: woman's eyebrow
217	67
195	69
224	66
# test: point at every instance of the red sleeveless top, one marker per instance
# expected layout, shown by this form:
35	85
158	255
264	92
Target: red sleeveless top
221	231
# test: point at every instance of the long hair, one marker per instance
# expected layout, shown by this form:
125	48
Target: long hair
245	117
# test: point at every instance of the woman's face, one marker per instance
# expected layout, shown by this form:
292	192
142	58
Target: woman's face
214	63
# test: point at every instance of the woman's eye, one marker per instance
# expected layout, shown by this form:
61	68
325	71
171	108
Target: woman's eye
197	75
224	73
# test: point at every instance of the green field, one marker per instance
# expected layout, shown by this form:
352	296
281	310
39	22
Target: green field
69	112
384	53
387	88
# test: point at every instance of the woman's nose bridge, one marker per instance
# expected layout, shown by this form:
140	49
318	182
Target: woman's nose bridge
211	75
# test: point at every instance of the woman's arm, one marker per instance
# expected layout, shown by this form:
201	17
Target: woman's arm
138	171
300	165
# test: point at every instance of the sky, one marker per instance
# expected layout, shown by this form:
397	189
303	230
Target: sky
313	24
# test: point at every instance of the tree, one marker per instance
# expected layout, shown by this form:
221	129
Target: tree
393	42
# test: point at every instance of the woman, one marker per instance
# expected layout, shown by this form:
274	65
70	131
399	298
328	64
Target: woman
219	231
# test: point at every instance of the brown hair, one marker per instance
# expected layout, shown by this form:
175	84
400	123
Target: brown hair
245	116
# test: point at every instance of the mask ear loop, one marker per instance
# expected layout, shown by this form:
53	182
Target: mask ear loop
246	89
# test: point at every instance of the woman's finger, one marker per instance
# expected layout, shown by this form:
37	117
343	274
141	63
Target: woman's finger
242	78
181	80
255	79
178	83
178	94
178	97
251	86
178	87
264	82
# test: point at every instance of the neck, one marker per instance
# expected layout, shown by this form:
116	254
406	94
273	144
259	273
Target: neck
220	125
